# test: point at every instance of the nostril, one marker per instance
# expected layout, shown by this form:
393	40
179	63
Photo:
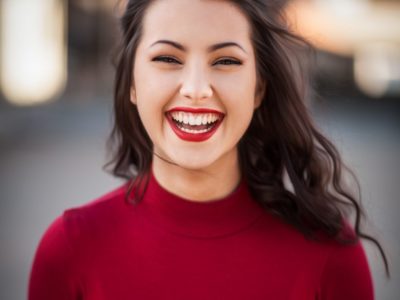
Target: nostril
196	92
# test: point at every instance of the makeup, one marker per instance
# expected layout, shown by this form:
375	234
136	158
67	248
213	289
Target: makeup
194	124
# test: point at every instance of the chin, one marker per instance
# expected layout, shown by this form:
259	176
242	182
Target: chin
193	163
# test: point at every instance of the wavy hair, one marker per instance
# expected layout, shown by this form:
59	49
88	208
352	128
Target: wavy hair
281	145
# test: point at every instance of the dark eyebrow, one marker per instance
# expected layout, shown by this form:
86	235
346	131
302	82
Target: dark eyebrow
209	49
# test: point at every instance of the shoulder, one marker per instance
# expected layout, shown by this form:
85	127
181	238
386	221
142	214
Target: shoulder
112	199
341	271
96	214
107	200
54	244
66	244
54	269
75	220
346	273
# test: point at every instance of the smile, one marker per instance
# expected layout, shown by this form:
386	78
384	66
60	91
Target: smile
194	125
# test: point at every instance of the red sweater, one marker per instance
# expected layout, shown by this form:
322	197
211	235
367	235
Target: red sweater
171	248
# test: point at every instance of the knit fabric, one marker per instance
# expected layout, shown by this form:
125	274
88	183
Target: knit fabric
168	247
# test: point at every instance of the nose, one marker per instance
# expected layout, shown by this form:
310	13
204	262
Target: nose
195	84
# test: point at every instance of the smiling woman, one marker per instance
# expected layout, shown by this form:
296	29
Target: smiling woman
209	121
183	67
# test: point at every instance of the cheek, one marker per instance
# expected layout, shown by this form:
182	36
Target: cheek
153	88
238	85
157	82
229	81
237	95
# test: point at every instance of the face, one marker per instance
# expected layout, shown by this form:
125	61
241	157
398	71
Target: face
195	81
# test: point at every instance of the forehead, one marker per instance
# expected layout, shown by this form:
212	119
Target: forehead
195	22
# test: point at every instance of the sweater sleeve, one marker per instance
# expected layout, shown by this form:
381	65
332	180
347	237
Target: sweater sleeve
52	275
346	275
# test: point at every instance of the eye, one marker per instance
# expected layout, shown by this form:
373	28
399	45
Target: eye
228	61
166	59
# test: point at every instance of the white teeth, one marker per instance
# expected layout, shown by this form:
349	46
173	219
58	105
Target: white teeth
198	120
194	119
194	131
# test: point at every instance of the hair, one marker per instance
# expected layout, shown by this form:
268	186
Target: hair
280	142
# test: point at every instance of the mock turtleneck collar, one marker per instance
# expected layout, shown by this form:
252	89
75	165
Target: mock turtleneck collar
211	219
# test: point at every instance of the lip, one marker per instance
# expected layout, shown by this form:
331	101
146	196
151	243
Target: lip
196	110
194	137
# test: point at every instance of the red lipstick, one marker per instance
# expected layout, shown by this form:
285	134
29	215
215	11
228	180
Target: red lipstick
193	136
196	110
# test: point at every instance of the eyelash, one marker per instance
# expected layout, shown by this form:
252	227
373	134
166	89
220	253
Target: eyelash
169	59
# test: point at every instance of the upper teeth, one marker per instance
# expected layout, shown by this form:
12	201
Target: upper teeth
194	119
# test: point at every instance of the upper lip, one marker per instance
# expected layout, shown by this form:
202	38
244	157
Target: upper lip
196	110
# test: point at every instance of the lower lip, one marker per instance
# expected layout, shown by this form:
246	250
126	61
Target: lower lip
192	137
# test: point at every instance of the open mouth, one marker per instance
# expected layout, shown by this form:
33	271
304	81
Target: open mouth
195	123
194	126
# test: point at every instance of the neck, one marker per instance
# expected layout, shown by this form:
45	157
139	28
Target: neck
200	185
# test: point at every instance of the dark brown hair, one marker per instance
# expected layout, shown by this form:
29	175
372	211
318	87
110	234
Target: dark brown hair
281	141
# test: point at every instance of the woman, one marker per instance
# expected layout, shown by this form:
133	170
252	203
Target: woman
231	192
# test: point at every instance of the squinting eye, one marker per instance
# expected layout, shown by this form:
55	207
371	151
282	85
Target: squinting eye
166	59
227	61
171	60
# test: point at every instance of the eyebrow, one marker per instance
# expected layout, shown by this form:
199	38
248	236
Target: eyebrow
209	49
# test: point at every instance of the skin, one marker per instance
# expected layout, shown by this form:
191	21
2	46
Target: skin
196	78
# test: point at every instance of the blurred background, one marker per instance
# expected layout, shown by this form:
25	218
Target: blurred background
56	81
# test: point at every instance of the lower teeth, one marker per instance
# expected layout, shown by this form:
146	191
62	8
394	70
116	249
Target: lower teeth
193	131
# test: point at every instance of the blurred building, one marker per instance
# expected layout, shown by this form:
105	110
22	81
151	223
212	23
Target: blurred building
359	42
